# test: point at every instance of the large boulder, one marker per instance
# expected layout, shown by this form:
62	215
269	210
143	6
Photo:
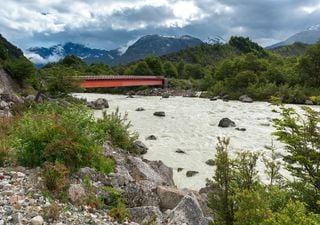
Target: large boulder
188	211
142	193
245	98
141	170
165	172
76	193
169	197
98	104
146	215
226	122
4	105
140	147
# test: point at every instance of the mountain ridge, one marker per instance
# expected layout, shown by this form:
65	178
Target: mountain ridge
147	45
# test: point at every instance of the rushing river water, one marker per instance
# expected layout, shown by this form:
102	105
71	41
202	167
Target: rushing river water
191	124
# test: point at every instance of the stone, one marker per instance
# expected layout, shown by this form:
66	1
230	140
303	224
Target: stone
76	193
142	193
166	95
169	197
30	98
215	98
98	104
141	170
140	109
151	138
140	147
164	171
210	162
38	220
191	173
241	129
159	114
309	102
179	169
4	105
180	151
146	215
245	98
226	122
188	211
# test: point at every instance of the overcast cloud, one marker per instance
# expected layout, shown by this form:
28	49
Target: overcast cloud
113	23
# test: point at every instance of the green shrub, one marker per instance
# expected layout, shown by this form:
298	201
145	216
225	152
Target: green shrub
55	176
52	133
116	128
120	213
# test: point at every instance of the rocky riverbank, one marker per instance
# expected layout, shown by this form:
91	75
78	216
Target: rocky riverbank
147	188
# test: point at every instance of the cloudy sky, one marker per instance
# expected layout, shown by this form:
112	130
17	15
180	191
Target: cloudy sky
112	23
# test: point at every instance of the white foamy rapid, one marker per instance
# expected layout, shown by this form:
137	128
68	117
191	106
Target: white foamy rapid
191	124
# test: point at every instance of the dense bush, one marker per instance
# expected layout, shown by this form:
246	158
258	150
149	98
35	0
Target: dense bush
52	133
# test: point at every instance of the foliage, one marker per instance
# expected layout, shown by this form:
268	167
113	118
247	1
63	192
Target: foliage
309	66
50	133
55	176
170	70
221	201
21	69
142	68
246	45
294	213
301	136
155	65
115	127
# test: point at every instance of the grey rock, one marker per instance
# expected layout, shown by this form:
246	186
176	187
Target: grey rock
188	211
164	171
159	114
98	104
141	170
210	162
191	173
151	138
169	197
226	122
309	102
140	194
4	105
140	147
38	220
146	215
166	95
215	98
245	98
140	109
30	98
76	193
179	169
241	129
180	151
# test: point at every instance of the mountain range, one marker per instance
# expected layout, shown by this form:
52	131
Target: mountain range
309	36
148	45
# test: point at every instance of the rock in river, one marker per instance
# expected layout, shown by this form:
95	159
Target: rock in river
191	173
160	114
245	98
140	109
151	138
226	122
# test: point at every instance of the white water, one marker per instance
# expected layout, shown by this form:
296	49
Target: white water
191	124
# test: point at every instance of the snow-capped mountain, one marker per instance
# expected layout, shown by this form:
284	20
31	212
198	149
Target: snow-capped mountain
147	45
309	36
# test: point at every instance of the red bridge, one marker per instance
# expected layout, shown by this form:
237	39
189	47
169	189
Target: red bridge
121	81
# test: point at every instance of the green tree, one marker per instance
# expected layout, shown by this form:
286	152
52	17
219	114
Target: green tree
21	69
142	68
155	65
170	70
181	69
220	201
301	136
309	66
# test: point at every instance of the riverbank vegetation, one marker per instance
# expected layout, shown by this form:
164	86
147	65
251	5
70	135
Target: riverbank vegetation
236	68
239	196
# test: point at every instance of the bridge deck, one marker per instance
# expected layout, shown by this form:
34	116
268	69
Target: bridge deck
121	81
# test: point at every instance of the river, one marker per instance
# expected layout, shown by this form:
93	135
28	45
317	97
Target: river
191	124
